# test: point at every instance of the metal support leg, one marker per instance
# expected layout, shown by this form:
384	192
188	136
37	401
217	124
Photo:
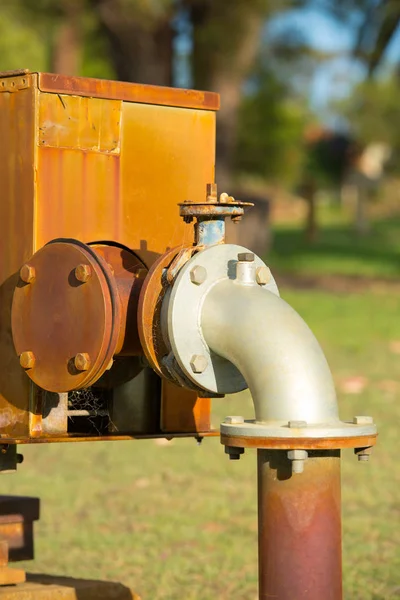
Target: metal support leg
299	520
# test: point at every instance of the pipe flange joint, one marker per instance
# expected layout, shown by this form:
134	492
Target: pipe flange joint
182	311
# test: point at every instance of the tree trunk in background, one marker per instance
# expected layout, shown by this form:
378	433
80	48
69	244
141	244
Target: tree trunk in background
140	52
66	47
226	38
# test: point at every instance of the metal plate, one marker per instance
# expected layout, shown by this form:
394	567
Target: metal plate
56	316
184	313
281	430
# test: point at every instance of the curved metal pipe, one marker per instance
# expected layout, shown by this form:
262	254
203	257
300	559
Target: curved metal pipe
273	348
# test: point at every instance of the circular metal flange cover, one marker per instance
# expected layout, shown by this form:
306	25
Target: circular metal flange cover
183	314
67	317
282	435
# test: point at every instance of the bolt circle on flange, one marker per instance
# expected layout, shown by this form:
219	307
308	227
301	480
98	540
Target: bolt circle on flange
182	324
57	317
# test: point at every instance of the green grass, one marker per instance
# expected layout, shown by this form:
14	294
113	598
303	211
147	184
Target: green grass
179	521
338	250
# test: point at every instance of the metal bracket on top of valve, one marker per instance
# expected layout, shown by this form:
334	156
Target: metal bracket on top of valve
211	215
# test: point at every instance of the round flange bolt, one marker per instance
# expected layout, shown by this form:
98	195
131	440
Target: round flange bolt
297	424
199	363
298	457
83	273
363	420
82	361
198	275
263	275
234	420
27	360
27	273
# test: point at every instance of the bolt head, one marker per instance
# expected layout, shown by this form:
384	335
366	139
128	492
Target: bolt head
246	257
27	273
297	424
233	452
363	420
82	361
234	420
297	454
27	360
83	273
363	457
263	275
199	363
198	275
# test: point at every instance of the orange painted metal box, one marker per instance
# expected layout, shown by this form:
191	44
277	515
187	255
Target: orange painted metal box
98	161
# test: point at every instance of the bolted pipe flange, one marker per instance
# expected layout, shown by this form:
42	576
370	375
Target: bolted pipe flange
183	305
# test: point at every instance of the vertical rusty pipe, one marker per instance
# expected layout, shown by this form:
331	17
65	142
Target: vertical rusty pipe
299	521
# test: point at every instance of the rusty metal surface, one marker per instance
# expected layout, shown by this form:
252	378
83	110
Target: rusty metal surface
130	92
299	520
150	301
17	135
77	312
76	437
60	319
129	273
17	515
182	410
307	443
99	123
47	587
96	190
166	155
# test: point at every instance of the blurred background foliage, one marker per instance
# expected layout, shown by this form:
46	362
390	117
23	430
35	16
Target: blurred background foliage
265	75
310	126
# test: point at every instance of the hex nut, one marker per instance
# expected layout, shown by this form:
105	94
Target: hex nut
363	420
199	363
82	361
233	452
297	454
27	360
234	420
198	275
27	273
83	273
297	424
263	275
246	257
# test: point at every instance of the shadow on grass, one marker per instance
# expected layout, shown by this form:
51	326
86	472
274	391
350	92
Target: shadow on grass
79	589
339	250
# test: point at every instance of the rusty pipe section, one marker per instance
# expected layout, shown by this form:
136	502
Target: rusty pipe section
273	349
299	524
